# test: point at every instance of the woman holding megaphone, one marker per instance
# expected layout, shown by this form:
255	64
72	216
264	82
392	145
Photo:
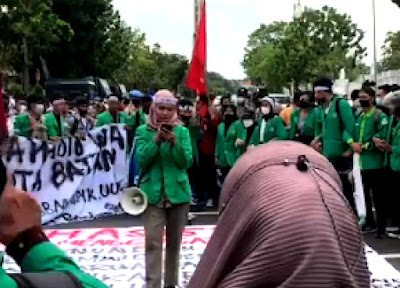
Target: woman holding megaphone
164	154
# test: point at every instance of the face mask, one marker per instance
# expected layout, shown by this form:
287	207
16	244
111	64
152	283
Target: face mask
83	113
247	123
23	108
379	101
265	110
365	103
38	109
304	105
230	118
321	101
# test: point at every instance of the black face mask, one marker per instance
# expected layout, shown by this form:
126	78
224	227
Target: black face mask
186	119
83	113
321	101
365	103
304	105
229	118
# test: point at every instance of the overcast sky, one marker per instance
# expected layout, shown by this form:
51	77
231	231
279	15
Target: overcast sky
170	23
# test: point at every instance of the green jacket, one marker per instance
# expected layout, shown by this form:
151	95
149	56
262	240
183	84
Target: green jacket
50	122
335	135
373	124
164	166
226	149
195	136
274	129
309	123
22	125
395	156
48	257
105	118
131	119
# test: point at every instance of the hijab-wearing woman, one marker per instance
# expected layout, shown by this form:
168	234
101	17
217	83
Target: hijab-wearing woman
303	119
270	126
164	153
284	222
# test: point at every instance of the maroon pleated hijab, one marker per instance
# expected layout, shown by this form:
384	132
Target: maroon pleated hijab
284	223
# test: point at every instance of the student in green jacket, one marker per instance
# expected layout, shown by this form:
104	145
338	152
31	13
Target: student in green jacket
30	124
54	121
112	115
270	126
22	235
335	132
303	119
230	142
391	145
189	120
372	124
164	153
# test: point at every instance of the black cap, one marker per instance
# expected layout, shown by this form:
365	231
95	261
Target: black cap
81	101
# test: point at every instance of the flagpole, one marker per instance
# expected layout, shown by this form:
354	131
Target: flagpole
375	50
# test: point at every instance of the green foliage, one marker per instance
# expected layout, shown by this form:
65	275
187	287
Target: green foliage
391	51
219	85
34	22
16	90
319	42
37	90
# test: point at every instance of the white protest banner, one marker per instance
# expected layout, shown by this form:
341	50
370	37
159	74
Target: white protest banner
73	180
116	255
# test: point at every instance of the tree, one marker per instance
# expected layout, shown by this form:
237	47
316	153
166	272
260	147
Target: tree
30	30
391	51
319	42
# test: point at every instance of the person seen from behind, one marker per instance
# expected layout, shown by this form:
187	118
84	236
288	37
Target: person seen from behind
284	201
286	113
164	152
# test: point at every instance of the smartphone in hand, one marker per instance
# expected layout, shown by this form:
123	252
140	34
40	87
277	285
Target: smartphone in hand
166	127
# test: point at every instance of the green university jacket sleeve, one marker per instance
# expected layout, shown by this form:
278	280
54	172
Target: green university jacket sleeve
181	152
48	257
255	137
219	140
146	147
280	129
348	122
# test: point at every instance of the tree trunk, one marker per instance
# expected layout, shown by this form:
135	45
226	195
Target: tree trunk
26	81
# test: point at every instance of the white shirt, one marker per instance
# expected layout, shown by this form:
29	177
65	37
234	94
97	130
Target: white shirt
262	130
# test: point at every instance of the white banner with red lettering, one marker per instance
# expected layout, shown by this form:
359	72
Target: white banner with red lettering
72	179
116	256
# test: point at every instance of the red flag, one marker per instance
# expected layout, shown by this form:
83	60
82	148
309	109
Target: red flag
196	78
3	119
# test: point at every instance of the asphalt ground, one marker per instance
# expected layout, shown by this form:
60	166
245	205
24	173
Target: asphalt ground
388	248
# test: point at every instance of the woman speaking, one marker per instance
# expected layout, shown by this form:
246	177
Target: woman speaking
164	153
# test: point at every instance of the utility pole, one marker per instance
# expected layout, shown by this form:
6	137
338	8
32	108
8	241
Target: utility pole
197	7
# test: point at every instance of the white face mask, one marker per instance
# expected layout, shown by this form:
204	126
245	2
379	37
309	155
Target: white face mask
23	109
265	110
379	101
247	123
38	109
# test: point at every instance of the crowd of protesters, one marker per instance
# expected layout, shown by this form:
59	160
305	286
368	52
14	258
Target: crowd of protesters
185	149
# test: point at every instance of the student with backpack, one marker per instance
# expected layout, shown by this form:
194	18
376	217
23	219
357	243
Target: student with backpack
335	132
372	124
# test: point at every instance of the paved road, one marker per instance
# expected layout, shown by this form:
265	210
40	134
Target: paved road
390	248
